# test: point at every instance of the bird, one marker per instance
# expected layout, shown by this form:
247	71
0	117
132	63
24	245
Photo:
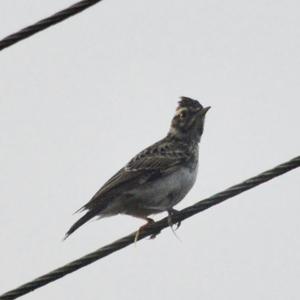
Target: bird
157	178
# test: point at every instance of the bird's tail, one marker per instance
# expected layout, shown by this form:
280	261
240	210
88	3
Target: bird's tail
89	215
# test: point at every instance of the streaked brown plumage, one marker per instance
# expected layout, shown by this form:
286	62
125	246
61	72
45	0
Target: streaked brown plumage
158	177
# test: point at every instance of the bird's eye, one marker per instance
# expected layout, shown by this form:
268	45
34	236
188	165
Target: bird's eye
182	115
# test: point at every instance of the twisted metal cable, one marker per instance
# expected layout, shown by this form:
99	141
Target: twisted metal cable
154	228
47	22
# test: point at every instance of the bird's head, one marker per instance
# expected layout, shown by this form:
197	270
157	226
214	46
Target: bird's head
188	122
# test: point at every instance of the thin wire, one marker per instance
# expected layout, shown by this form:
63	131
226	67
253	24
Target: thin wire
45	23
154	228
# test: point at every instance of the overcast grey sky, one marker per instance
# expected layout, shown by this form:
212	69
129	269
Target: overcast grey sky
80	99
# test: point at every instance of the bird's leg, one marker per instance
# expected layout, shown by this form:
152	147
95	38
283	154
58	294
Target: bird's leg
149	221
171	212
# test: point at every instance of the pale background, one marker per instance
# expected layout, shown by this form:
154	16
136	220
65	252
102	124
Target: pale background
80	99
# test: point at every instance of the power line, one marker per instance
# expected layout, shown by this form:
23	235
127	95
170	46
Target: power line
154	228
45	23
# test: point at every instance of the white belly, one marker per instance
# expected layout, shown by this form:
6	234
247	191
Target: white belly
168	191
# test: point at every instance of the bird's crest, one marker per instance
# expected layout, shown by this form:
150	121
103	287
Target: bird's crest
189	103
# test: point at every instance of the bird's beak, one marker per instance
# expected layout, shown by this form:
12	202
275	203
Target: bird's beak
203	111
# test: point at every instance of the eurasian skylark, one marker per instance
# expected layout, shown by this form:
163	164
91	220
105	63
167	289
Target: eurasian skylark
157	178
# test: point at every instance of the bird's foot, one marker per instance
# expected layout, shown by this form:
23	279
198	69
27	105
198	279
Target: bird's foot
149	222
171	212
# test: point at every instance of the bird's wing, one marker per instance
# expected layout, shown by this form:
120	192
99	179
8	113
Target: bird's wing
158	159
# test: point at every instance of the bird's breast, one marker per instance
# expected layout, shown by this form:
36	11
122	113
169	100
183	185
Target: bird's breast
181	182
168	190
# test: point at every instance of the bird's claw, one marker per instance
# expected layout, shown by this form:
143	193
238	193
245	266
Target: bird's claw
152	236
171	212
